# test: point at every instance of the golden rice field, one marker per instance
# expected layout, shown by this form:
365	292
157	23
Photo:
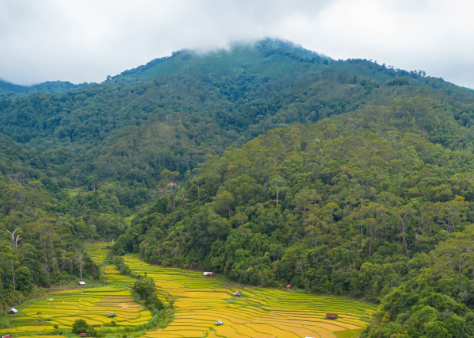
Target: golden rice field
62	308
199	303
259	312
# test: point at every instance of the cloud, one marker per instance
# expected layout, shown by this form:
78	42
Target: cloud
85	40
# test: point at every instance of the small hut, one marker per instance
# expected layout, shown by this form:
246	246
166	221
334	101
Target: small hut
83	334
208	274
218	323
236	294
81	282
7	336
288	287
111	314
12	311
331	315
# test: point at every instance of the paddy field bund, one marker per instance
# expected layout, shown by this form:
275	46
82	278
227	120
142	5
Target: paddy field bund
201	301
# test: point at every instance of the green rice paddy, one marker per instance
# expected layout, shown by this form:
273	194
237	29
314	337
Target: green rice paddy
200	302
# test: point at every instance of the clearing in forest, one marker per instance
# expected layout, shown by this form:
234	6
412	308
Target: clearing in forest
259	312
62	308
199	302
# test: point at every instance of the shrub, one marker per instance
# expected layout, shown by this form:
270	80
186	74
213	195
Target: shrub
80	326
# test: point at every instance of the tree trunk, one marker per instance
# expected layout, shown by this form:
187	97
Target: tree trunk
330	233
404	241
370	245
80	261
197	184
172	194
45	260
13	275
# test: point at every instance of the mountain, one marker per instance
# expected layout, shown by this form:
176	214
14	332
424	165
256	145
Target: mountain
266	162
205	104
11	90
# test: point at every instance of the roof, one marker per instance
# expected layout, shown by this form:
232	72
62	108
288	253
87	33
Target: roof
7	336
82	334
13	310
237	293
288	286
82	282
208	273
331	314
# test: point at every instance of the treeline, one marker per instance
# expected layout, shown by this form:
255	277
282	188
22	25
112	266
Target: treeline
42	233
11	90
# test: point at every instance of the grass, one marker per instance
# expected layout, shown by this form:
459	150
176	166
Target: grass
259	312
62	308
199	303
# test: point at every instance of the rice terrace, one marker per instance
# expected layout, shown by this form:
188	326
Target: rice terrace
199	302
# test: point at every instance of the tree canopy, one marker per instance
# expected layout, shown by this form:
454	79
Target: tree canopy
270	164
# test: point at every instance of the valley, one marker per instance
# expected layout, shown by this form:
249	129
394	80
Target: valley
348	181
199	302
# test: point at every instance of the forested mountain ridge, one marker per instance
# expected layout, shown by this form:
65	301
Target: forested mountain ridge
267	163
11	90
204	110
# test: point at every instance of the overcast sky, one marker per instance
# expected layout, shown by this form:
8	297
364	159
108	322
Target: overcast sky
86	40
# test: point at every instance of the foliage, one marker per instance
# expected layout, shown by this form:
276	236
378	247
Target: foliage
145	290
38	245
362	217
80	326
267	163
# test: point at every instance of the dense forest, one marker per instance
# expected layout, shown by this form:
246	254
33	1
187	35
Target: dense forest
41	239
268	163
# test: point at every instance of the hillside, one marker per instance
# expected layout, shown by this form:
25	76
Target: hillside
11	90
103	133
331	207
267	163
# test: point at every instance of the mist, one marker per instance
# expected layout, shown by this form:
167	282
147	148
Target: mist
84	41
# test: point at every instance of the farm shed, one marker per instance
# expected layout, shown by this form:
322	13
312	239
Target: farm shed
331	315
111	314
208	274
236	294
82	334
288	287
12	311
82	282
218	323
7	336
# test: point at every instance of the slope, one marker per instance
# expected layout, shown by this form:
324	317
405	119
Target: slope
12	90
331	207
105	133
